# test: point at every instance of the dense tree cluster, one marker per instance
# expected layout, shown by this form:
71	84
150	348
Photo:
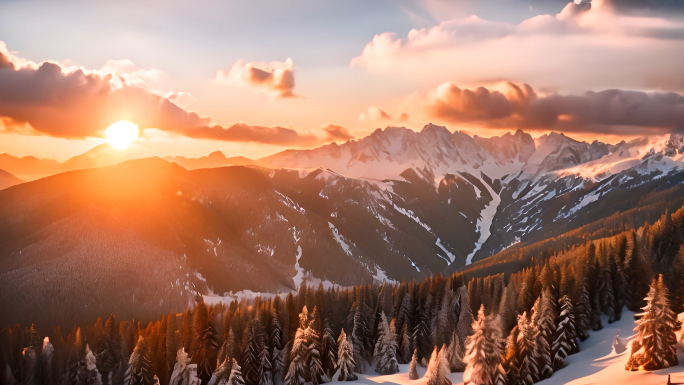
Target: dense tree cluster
527	323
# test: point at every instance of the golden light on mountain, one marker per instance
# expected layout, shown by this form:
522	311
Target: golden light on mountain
120	134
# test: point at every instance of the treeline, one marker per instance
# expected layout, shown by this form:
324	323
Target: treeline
500	329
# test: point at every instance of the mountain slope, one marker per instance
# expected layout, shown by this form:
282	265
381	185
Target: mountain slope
148	232
8	180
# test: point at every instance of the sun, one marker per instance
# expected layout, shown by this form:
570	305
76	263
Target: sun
120	134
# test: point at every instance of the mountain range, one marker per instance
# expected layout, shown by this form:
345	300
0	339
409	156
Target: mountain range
397	204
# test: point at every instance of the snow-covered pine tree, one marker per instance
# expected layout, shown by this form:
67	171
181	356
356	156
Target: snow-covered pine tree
655	346
139	371
440	369
413	372
543	318
180	368
385	353
345	358
520	363
565	336
264	371
221	373
329	350
278	358
298	372
432	364
484	352
93	376
235	375
314	360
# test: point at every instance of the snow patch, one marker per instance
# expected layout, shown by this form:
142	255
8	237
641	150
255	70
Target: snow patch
484	224
410	214
340	239
448	253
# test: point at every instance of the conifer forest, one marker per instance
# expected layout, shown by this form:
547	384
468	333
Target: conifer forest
512	328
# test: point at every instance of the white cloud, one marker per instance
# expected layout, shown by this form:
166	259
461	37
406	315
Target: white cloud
582	47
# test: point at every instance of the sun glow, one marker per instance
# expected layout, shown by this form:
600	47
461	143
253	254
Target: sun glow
120	134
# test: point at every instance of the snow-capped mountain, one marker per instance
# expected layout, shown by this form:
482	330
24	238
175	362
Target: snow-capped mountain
519	182
397	204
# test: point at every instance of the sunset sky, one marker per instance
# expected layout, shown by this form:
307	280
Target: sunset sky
254	78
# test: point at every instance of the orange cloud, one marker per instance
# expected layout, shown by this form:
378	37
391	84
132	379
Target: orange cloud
77	103
613	111
275	78
337	133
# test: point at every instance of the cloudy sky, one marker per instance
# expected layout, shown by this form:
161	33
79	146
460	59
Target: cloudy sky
253	78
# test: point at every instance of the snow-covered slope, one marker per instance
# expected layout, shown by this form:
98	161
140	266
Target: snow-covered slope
596	363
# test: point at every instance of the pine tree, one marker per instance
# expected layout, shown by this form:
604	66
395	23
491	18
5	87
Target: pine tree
404	352
413	372
623	293
520	362
264	372
507	307
583	313
204	345
441	369
565	336
404	316
221	373
180	375
329	350
454	354
596	302
75	371
297	372
235	375
93	376
484	353
607	295
46	362
422	330
543	322
655	344
465	318
252	347
385	353
345	359
313	355
139	371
